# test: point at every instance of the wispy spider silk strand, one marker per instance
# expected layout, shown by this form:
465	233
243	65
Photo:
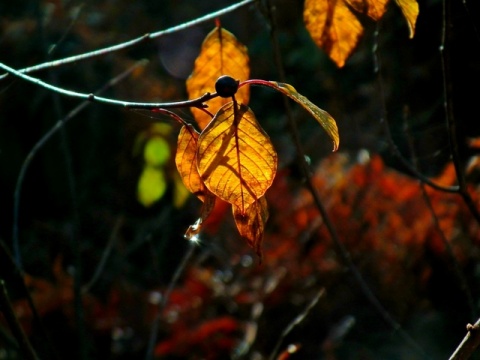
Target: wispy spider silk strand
133	42
26	163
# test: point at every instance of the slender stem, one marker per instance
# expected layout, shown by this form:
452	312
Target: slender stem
449	112
24	344
106	253
166	297
341	249
198	102
469	344
136	41
26	163
295	322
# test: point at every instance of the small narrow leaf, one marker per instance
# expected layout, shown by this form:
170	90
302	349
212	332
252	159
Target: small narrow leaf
221	53
251	223
325	119
373	8
333	28
410	11
207	208
236	158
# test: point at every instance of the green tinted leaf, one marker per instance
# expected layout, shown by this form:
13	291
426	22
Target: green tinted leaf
151	186
156	152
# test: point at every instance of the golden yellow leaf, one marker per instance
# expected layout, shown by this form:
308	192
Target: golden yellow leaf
235	157
373	8
410	11
324	118
251	223
333	28
186	161
221	54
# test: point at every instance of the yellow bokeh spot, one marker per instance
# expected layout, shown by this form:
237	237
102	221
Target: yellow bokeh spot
151	186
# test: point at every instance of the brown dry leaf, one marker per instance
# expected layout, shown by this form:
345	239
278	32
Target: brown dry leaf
251	223
333	28
221	54
373	8
410	10
235	157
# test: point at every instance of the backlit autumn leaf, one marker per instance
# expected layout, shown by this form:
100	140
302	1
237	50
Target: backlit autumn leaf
235	157
186	161
373	8
333	28
325	119
410	10
221	53
251	223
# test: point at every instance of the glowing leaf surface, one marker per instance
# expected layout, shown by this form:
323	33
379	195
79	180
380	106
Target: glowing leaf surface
325	119
410	10
186	161
236	159
221	54
333	28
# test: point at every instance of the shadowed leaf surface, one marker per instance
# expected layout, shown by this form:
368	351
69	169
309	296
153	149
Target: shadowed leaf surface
236	158
221	54
373	8
251	223
333	28
186	161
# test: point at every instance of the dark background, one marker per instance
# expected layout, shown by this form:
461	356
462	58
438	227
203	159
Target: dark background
82	183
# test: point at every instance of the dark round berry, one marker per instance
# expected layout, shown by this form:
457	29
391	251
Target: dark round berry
226	86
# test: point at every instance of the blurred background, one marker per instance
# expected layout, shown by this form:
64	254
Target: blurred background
98	259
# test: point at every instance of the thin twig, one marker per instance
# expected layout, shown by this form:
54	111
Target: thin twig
6	306
388	134
456	266
448	105
198	102
26	163
295	322
457	269
341	250
176	276
17	273
136	41
469	343
106	253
